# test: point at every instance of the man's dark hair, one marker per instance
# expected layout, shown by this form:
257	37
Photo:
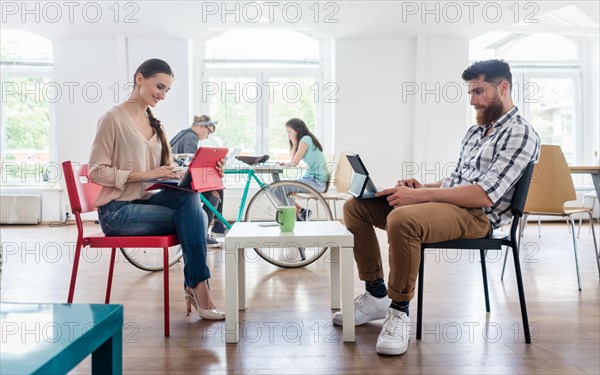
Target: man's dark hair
493	71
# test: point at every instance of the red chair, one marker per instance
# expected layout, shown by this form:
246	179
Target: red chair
78	186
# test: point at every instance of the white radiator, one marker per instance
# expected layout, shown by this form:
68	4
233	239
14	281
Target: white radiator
20	209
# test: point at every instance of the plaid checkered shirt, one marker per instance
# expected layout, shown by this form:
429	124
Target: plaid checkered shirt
497	161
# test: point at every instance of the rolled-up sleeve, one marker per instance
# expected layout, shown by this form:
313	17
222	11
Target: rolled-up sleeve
101	168
516	149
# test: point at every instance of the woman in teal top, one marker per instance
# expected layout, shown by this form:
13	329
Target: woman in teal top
305	146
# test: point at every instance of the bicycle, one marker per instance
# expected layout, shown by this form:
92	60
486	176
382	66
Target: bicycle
261	208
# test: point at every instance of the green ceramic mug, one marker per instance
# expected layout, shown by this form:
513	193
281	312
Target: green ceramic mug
286	218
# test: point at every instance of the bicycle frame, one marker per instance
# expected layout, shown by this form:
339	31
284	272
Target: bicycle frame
251	175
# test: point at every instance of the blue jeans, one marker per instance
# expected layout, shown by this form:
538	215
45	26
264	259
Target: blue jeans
167	211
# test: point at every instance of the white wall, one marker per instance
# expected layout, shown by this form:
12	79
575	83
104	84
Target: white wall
85	63
383	112
440	108
371	119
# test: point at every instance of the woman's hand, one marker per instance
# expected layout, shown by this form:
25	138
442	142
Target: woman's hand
221	167
292	139
165	171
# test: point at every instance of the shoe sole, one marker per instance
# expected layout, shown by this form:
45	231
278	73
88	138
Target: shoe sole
339	322
390	351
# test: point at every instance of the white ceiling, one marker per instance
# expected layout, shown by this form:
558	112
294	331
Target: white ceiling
349	19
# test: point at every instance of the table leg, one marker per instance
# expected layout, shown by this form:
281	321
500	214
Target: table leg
231	295
596	180
242	280
347	270
334	266
108	358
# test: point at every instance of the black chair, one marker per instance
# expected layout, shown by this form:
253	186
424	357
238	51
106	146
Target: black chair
494	242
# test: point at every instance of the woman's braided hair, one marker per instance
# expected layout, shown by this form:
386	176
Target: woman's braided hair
148	69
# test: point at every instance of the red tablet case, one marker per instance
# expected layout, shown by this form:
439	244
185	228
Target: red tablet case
203	168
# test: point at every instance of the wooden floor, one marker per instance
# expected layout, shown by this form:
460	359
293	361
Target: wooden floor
287	327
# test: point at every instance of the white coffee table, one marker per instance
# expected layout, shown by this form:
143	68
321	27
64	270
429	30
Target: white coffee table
330	234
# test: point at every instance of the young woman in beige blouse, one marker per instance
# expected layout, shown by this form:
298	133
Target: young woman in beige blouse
131	147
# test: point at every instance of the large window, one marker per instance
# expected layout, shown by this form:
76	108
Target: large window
253	81
26	128
546	85
550	103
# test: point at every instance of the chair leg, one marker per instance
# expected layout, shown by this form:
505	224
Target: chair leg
595	244
420	294
581	216
517	242
592	213
515	251
74	272
571	221
485	282
111	269
335	209
166	290
504	265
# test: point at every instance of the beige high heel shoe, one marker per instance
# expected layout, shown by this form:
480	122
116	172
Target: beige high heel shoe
212	314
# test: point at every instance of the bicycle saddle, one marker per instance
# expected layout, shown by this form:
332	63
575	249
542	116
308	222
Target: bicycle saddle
253	160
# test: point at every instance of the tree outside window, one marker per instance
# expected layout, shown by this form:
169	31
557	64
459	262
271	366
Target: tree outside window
25	131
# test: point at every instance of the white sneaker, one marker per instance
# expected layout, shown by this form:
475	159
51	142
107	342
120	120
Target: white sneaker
393	339
366	309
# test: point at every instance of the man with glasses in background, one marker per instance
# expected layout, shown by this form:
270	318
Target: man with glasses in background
186	142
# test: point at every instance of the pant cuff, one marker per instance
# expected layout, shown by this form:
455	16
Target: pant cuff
399	297
371	276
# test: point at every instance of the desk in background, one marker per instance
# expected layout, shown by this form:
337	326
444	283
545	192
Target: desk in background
594	171
48	338
274	169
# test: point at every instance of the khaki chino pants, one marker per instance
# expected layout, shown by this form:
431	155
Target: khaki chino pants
407	227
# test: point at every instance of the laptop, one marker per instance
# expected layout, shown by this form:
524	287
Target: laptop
201	175
232	157
362	186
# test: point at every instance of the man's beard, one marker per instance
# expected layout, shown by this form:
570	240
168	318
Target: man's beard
491	113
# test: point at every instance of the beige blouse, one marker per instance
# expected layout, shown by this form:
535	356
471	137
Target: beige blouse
119	149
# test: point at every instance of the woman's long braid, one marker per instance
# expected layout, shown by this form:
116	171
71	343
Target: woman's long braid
165	155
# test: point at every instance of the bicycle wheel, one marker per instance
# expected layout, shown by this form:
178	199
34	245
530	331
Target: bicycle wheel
151	259
263	207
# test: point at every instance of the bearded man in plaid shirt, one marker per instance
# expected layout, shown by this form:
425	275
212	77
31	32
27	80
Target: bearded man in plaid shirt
473	201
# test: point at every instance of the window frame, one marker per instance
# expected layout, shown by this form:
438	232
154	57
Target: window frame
262	106
523	74
321	73
27	71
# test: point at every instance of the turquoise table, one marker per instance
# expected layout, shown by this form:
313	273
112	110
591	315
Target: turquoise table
54	338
